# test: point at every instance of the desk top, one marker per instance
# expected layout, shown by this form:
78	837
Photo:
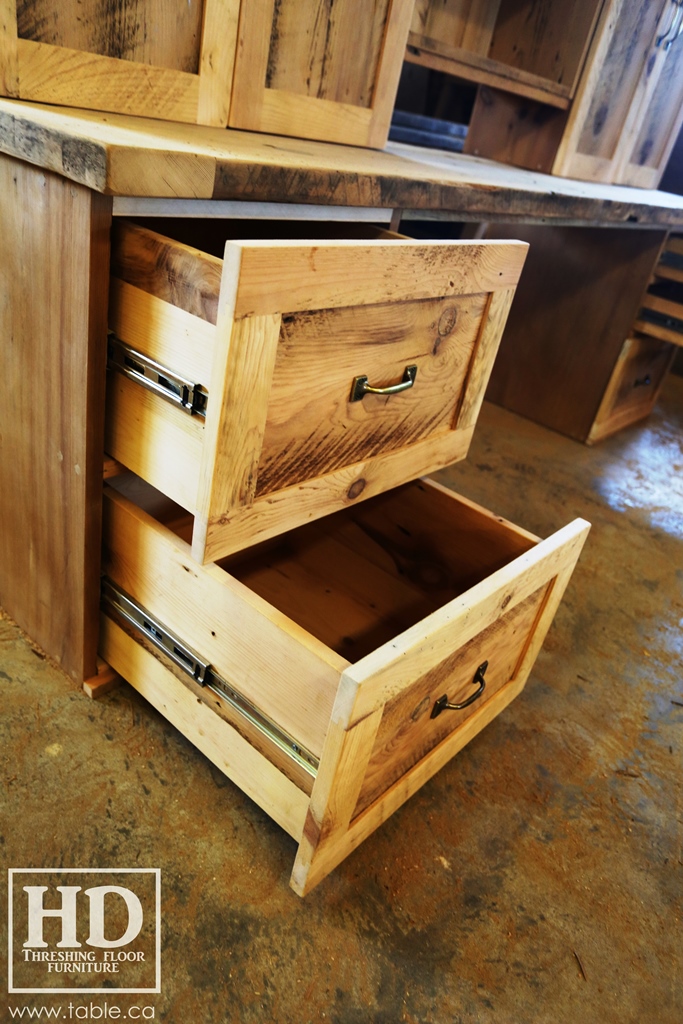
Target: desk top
140	157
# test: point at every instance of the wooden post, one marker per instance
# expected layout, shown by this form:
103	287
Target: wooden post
54	273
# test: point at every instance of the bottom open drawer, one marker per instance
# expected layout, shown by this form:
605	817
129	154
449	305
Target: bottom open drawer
312	668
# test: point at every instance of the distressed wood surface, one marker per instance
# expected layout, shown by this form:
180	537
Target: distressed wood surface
636	381
311	427
467	24
298	72
433	53
165	33
53	283
172	58
138	157
407	732
273	662
548	38
557	358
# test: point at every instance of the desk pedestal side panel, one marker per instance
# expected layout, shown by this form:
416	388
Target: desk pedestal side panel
54	258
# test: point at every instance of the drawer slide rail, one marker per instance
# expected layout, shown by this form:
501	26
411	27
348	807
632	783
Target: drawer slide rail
191	398
120	604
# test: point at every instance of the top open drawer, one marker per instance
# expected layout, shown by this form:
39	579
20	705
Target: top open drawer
279	345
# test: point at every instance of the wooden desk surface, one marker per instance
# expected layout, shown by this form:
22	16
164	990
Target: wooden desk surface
126	156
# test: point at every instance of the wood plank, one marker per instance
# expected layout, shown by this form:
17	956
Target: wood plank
548	38
140	157
103	682
9	61
163	331
634	386
60	75
154	439
514	130
217	59
216	739
407	731
467	24
289	277
284	113
382	675
333	799
51	413
165	33
486	348
312	428
169	270
316	53
389	71
276	664
433	53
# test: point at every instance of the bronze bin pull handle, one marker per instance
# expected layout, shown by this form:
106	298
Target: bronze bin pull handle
442	703
361	387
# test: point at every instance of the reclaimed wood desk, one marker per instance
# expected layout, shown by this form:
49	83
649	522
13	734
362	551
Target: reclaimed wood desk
63	176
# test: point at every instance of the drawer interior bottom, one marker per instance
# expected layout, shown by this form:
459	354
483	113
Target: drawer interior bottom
360	577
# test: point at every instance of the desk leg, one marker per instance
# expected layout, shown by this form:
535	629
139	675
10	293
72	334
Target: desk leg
54	277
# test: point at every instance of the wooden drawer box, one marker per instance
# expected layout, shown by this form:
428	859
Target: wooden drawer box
331	647
636	381
278	334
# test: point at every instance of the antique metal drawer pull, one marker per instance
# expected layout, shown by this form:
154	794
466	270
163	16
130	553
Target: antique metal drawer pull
442	703
361	387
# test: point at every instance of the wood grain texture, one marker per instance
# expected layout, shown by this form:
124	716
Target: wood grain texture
169	270
163	331
548	38
515	130
9	62
319	70
217	59
407	732
214	737
433	53
634	386
660	124
71	77
51	414
273	662
312	428
165	33
467	24
556	358
540	577
139	157
288	277
150	436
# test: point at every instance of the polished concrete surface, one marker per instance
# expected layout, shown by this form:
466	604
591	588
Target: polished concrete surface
537	878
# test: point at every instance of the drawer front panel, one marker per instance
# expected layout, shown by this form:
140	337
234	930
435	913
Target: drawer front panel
407	732
634	386
292	327
313	427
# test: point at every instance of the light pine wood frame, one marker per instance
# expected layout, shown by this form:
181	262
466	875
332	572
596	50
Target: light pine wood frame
333	707
55	74
284	112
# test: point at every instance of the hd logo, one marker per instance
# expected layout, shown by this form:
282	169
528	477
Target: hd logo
84	930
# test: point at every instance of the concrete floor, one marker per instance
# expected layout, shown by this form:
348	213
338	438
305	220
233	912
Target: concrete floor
536	878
